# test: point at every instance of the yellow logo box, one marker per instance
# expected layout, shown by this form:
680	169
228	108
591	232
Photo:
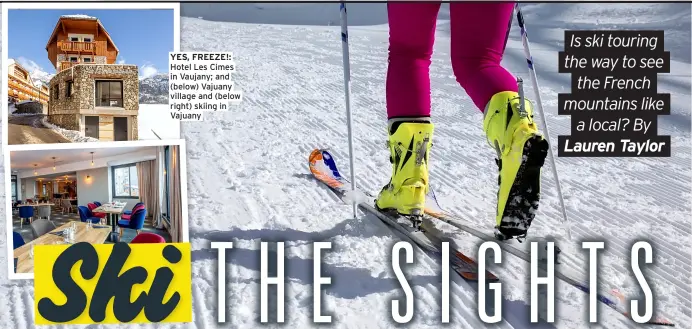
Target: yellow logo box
112	283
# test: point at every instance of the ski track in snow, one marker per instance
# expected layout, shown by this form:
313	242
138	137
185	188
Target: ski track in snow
248	180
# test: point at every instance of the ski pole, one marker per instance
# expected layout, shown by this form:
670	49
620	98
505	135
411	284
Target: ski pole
539	105
347	91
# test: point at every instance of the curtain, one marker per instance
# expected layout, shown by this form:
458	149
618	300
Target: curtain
175	195
160	166
148	179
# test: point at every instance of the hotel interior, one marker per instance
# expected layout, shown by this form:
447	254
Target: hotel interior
98	195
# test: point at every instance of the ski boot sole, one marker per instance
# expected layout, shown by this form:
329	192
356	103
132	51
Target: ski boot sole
415	217
525	192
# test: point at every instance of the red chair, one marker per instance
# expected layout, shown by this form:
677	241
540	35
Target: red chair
145	237
91	207
127	216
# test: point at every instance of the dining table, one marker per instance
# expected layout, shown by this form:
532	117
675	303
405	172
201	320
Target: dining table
113	210
36	204
96	234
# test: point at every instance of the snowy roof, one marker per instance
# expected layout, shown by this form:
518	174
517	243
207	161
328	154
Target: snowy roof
79	16
10	61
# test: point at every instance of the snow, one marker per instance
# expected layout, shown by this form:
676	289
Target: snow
79	16
38	76
248	179
72	135
155	119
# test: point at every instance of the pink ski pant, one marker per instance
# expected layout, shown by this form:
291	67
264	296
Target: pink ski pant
478	38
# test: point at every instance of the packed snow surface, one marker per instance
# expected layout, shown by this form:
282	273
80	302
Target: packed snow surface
248	178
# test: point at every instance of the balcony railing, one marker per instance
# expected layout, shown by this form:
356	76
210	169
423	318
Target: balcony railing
67	65
77	46
16	87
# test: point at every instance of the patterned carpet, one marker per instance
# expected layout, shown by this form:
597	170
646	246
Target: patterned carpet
58	218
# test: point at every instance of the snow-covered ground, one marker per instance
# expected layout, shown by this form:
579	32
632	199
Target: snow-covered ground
247	177
72	135
155	122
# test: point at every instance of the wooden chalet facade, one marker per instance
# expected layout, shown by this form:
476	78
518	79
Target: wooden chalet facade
21	87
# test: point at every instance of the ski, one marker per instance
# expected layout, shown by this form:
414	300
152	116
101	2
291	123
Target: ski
323	168
433	209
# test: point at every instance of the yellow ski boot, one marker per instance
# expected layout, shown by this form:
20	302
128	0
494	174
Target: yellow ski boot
409	145
521	151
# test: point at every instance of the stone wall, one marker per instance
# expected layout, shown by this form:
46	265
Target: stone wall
64	108
85	75
66	121
83	87
61	104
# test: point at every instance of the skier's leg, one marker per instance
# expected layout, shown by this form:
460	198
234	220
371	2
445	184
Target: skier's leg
411	39
479	32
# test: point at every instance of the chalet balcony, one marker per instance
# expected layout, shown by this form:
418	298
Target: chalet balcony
77	46
67	65
25	89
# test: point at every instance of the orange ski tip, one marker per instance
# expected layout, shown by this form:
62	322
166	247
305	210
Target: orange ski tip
315	156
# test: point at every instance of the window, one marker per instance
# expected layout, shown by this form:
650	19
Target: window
166	185
74	59
109	93
74	39
86	60
56	91
125	182
87	39
68	91
14	188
